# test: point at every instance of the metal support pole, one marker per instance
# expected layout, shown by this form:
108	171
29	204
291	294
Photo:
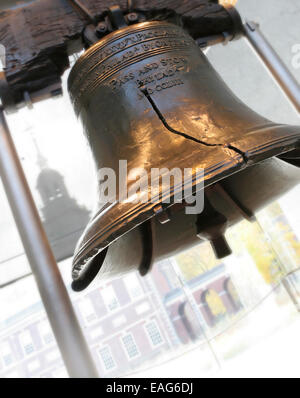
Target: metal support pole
56	300
274	64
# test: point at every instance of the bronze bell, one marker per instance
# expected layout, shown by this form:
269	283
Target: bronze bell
147	94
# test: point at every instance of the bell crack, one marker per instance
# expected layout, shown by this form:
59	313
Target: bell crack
239	151
184	135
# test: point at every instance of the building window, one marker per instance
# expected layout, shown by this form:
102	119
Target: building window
133	285
6	354
46	332
27	342
110	298
87	310
232	294
214	306
107	358
154	333
130	346
170	274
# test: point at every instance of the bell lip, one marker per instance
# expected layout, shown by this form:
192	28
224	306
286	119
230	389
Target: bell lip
251	152
111	37
139	213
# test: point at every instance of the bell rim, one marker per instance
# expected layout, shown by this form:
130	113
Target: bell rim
148	207
249	147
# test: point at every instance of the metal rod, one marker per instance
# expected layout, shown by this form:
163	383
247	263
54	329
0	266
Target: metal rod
274	64
56	300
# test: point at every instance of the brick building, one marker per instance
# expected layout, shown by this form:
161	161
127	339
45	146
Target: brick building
128	321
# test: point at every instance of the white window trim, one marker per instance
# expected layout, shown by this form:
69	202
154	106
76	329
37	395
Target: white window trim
34	352
124	347
129	291
102	361
109	310
13	363
148	335
80	304
43	335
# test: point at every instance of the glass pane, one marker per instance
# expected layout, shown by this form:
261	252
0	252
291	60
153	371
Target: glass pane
192	315
190	309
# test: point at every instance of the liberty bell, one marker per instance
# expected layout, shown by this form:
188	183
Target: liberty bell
149	100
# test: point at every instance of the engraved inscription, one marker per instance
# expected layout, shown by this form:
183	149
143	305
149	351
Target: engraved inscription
169	71
155	76
164	86
117	61
108	50
108	62
138	53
